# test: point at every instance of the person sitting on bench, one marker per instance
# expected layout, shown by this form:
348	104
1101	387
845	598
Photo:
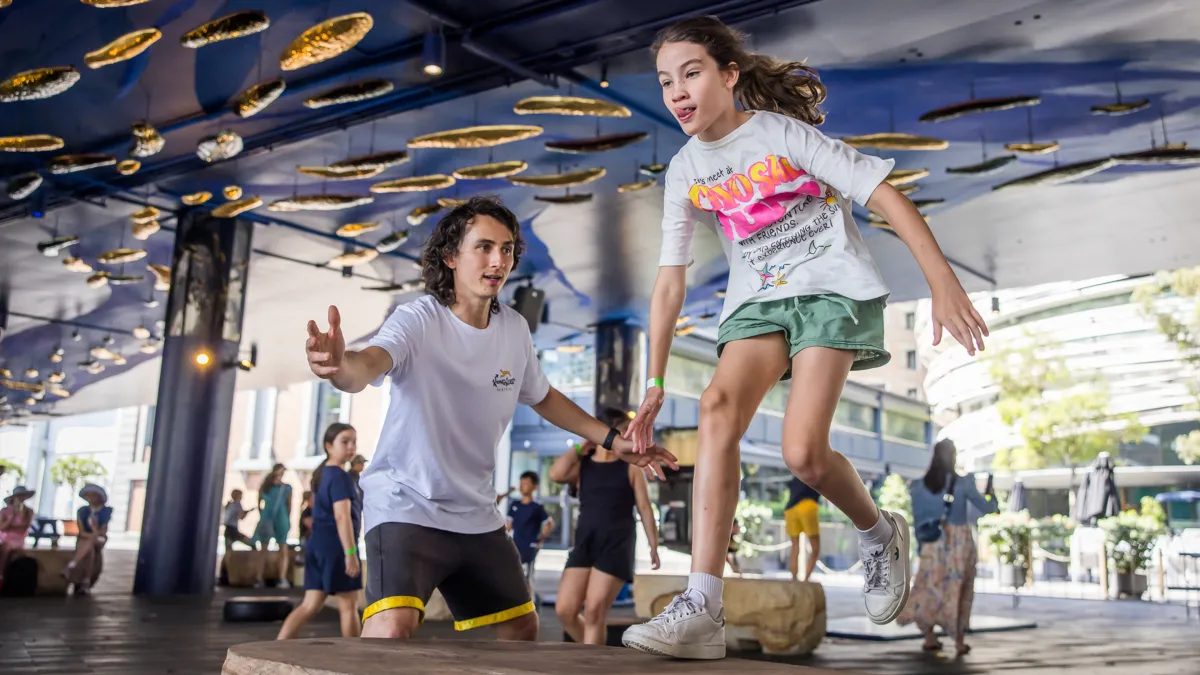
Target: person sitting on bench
15	519
93	520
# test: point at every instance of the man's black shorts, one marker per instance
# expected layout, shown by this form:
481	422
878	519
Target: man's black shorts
479	575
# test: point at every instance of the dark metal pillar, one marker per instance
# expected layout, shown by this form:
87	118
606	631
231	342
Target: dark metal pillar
209	273
620	366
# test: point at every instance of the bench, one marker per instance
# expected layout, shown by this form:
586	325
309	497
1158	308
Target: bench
356	656
51	563
37	530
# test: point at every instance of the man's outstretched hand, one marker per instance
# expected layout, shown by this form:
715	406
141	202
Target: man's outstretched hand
326	350
651	460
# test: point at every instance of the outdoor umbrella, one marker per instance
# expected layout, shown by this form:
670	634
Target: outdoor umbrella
1097	497
1186	496
1018	499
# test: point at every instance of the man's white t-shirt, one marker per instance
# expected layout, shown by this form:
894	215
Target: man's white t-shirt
775	191
454	391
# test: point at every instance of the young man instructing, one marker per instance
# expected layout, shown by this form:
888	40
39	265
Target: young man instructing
459	363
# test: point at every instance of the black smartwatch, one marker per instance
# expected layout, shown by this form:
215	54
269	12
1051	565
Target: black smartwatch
612	436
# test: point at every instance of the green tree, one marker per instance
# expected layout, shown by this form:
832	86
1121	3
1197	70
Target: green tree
1061	416
1188	447
12	469
894	496
1172	301
74	472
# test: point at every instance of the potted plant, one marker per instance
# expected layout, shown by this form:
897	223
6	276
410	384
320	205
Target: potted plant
1130	538
754	518
1053	536
1009	534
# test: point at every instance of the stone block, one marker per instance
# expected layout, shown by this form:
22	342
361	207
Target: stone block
780	615
51	563
244	569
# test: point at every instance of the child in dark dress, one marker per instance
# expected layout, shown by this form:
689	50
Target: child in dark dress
331	563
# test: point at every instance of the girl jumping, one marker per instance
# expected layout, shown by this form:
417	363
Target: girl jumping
804	299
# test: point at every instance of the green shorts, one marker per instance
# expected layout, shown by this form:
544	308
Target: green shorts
829	320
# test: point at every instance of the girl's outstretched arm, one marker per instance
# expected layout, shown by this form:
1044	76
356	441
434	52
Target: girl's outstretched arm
952	309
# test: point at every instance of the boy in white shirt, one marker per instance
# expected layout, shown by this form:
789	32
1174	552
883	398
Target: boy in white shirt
459	362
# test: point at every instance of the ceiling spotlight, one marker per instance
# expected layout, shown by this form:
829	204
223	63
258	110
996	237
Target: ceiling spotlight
31	373
248	364
202	358
434	53
604	75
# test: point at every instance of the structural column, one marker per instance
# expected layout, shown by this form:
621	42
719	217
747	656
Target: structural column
209	274
620	366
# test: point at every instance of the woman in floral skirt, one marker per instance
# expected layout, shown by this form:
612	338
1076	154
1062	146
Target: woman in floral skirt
944	584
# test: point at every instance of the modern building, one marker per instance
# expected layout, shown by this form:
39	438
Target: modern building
879	431
904	375
1098	331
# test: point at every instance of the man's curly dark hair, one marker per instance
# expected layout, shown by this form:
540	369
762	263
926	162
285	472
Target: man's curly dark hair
447	237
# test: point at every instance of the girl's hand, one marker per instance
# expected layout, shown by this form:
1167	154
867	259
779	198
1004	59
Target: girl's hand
641	429
952	310
654	563
352	569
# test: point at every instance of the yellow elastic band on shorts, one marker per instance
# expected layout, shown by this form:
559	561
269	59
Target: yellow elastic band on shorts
498	617
394	602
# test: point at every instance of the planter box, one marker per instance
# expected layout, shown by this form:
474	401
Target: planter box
1131	585
1012	576
1052	570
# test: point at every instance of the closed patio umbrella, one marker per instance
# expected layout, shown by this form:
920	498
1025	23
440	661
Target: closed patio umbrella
1097	497
1018	499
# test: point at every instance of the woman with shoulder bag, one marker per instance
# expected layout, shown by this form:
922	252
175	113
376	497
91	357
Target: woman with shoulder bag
944	585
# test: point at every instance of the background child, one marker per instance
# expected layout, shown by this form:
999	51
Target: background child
528	523
93	520
234	513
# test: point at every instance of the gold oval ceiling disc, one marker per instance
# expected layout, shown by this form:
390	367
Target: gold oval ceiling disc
232	192
37	84
320	202
562	180
326	40
123	48
476	137
256	99
435	181
196	198
236	25
354	258
30	143
494	170
128	167
569	105
231	209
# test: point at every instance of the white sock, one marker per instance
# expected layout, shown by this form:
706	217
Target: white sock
878	535
710	587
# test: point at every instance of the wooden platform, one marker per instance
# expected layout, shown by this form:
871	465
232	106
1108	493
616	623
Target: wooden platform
455	657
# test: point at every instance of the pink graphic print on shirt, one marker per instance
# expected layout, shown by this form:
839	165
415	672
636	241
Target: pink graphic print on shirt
748	202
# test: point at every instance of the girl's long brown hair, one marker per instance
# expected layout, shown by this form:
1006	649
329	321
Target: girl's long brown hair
331	435
764	83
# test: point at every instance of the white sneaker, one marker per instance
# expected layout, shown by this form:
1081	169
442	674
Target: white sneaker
684	630
887	573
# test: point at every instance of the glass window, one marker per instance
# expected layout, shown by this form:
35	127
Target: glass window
910	320
914	393
570	370
264	422
899	425
687	377
328	410
855	415
910	359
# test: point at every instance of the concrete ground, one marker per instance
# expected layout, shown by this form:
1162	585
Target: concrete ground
114	632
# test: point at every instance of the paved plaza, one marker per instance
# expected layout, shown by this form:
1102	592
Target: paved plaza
114	632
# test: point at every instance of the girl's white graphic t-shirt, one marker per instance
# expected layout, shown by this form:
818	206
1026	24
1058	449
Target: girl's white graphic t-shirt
777	192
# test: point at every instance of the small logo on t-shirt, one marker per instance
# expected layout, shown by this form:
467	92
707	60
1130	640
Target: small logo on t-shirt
503	381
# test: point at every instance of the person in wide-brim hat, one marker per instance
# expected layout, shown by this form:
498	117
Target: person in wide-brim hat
19	492
15	519
93	520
